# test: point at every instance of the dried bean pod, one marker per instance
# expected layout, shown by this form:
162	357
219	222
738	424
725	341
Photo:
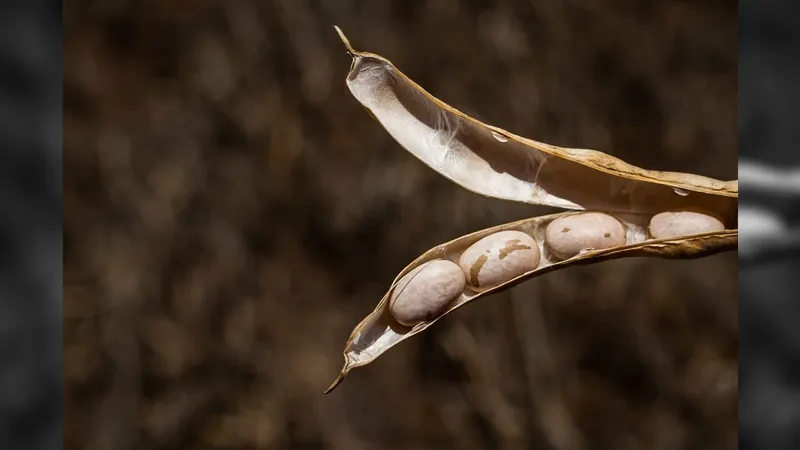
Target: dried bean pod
495	163
568	236
498	258
425	292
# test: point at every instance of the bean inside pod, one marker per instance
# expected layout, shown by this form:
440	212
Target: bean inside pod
425	292
568	236
669	224
498	258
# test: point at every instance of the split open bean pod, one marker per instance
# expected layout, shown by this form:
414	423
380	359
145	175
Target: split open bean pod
613	209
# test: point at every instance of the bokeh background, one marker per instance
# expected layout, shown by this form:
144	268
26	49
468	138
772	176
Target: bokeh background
231	212
769	376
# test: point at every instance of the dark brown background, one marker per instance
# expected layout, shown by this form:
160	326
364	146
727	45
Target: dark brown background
231	212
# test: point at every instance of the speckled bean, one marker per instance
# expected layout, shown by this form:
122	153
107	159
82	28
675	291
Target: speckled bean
568	236
498	258
683	223
425	292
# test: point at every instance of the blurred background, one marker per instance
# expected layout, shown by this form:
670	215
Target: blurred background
231	213
769	175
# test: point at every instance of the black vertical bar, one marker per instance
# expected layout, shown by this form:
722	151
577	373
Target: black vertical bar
30	224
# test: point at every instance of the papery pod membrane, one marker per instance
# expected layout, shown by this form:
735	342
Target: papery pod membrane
496	163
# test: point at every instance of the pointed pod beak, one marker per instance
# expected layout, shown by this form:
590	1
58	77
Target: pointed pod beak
345	41
339	378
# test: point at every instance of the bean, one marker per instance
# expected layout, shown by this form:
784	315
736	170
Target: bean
425	292
568	236
683	223
498	258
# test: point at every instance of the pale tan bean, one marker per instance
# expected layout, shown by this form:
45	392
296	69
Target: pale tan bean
425	292
568	236
498	258
683	223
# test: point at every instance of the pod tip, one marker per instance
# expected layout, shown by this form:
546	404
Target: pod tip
344	39
339	378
